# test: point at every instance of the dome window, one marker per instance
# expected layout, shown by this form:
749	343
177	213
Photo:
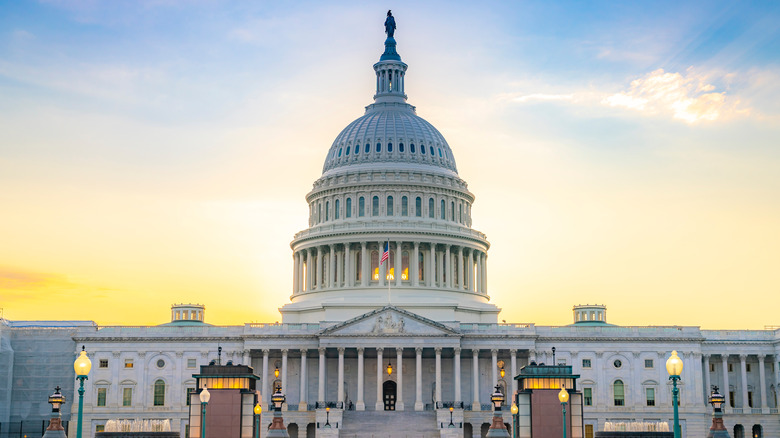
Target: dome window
337	204
443	210
418	207
327	210
347	154
422	149
432	154
379	147
390	206
348	213
389	147
361	206
368	147
439	152
400	147
431	211
339	152
411	147
375	206
404	206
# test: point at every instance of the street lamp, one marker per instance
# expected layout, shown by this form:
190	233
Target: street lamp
276	372
514	419
451	423
674	366
258	411
389	368
327	417
82	365
717	430
205	396
563	397
55	429
277	428
497	429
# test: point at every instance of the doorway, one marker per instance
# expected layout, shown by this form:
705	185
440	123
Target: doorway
388	392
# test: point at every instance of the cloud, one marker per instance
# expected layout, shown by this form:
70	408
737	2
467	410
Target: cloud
523	98
688	97
16	284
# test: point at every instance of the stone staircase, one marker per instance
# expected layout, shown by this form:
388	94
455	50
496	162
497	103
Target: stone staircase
389	424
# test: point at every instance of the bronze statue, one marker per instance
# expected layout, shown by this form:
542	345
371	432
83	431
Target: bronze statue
390	24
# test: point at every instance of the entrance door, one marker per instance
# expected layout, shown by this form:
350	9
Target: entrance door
388	391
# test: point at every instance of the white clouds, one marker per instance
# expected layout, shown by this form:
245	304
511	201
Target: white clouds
687	97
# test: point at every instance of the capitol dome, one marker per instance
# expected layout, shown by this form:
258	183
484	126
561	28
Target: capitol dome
389	221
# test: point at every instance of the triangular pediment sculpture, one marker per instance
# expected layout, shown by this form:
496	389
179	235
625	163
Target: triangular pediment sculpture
389	321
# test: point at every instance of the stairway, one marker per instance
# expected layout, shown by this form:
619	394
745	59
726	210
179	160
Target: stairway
389	424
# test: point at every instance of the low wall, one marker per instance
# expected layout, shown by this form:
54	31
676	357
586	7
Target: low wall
634	434
137	435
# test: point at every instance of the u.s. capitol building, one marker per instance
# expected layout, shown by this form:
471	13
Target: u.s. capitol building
389	181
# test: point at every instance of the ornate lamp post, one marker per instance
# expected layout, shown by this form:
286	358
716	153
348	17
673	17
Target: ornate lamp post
717	430
258	412
563	397
497	429
674	366
205	396
82	365
514	411
389	368
451	423
327	417
55	429
277	428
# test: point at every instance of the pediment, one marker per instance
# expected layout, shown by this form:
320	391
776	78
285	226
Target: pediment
389	321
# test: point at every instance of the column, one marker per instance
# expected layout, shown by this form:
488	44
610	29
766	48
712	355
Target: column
266	398
360	405
341	375
743	382
295	273
494	365
321	386
382	266
725	390
478	282
461	283
429	274
707	385
364	268
307	279
348	276
380	406
331	267
399	267
300	272
303	404
456	368
284	374
319	267
416	266
483	281
513	367
245	358
762	382
399	360
470	269
438	374
475	405
448	265
439	269
418	404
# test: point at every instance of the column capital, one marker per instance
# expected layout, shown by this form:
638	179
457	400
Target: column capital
322	350
574	354
245	351
304	351
743	357
399	350
437	350
761	357
341	351
284	351
379	350
475	352
456	350
513	351
266	351
661	354
599	354
494	351
360	350
418	350
706	356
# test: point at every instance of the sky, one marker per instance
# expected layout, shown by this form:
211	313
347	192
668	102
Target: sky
621	153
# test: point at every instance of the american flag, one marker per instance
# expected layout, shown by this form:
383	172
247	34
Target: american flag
386	254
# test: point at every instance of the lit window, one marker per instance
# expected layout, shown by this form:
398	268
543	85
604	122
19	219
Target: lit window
648	363
103	363
618	392
348	213
101	396
586	363
418	207
389	205
587	395
375	265
375	206
159	393
98	428
128	363
127	396
421	267
362	206
589	431
650	396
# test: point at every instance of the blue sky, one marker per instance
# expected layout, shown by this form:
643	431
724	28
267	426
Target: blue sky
162	150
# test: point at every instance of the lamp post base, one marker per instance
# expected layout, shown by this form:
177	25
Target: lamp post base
497	429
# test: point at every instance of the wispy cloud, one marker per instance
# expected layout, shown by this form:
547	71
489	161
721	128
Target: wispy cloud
688	97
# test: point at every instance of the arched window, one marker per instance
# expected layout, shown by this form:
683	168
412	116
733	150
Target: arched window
411	147
361	206
418	207
443	210
347	151
375	265
327	210
422	149
460	213
431	211
368	147
319	212
159	393
357	149
618	391
758	432
405	265
431	148
404	206
375	206
400	147
348	213
339	152
336	212
359	265
389	205
440	153
739	431
379	147
452	211
389	147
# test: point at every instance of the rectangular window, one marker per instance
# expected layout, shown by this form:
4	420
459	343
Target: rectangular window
587	395
586	363
101	396
747	367
712	367
588	431
128	363
187	392
103	363
731	367
650	396
127	396
191	363
731	398
750	398
648	363
620	397
98	428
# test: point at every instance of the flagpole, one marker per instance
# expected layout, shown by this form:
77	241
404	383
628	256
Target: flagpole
387	271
